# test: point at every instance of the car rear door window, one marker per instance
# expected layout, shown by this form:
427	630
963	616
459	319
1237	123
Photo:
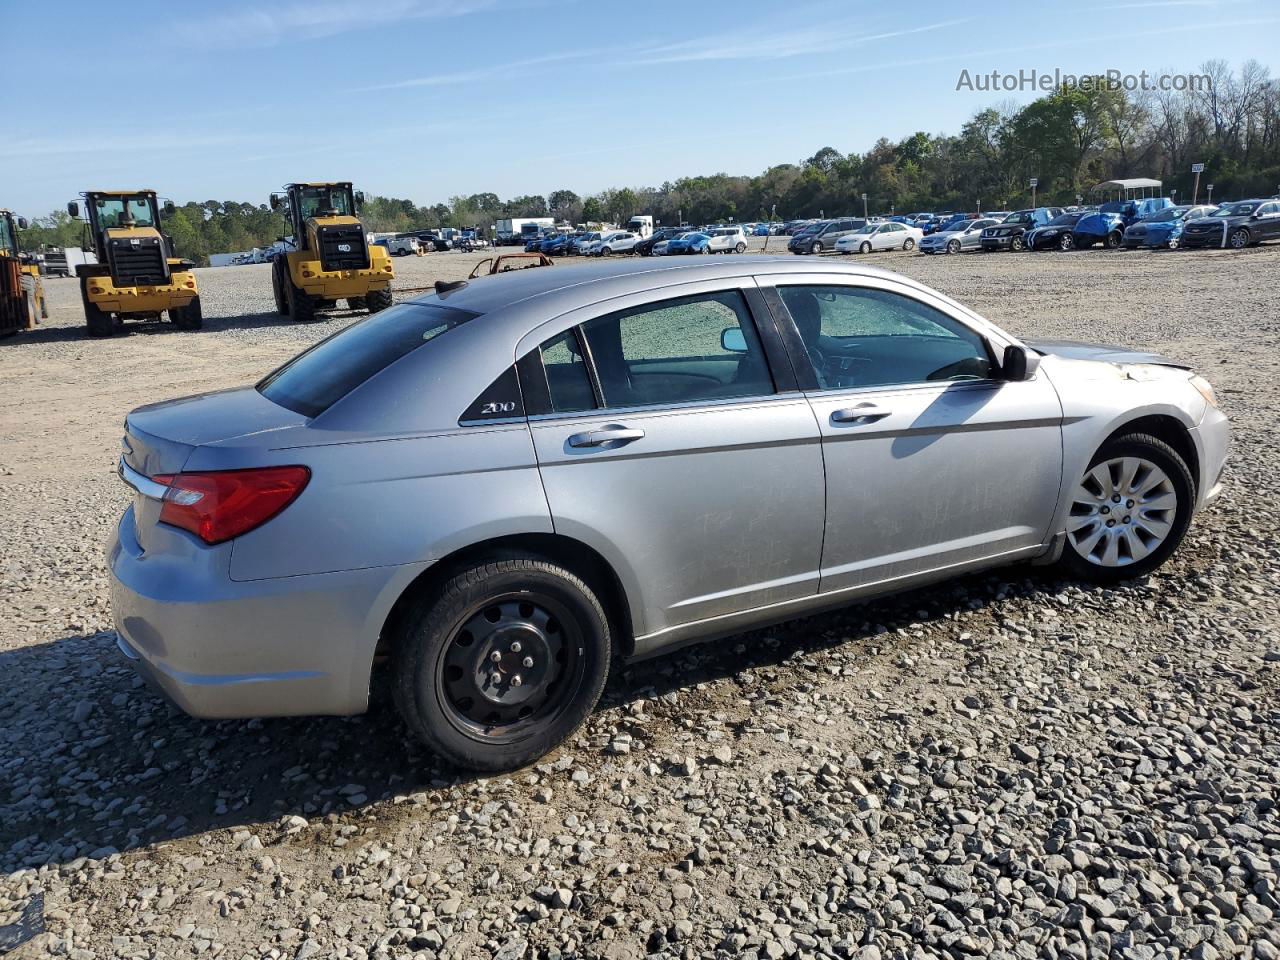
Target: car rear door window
702	347
867	337
316	379
568	381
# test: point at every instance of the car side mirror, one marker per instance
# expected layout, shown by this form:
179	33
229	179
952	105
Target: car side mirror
73	208
733	340
1019	363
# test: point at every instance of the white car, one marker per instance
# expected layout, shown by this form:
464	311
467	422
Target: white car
888	235
619	241
728	240
403	246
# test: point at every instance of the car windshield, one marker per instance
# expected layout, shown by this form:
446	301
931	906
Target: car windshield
1235	210
1065	219
868	228
122	211
316	379
1019	218
1165	215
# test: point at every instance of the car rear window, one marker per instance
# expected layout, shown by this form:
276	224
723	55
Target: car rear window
316	379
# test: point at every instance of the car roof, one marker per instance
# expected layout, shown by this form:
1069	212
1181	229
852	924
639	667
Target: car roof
588	283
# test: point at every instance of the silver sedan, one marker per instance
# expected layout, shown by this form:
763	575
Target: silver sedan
501	487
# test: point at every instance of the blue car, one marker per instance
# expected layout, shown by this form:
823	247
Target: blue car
1164	227
761	230
689	243
1108	224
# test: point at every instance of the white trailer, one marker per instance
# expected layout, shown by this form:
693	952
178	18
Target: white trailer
517	230
63	262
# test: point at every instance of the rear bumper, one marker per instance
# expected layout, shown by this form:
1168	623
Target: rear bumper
220	648
178	292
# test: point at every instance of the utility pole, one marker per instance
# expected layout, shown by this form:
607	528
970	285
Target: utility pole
1197	169
1035	182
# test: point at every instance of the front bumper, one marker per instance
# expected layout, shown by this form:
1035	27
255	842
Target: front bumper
1214	239
153	298
997	243
220	648
1213	441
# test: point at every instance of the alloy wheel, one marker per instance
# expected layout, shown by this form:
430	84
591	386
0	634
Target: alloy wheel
1122	510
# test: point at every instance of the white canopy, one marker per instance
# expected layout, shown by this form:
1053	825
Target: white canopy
1138	183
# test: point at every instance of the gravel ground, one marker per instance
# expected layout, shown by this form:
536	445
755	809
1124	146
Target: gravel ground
1005	766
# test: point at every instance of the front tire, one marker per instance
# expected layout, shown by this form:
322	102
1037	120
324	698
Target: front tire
1129	511
376	300
908	244
1017	244
1239	239
1113	240
279	278
865	247
953	246
815	247
502	663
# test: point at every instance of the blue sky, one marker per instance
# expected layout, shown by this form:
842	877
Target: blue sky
430	98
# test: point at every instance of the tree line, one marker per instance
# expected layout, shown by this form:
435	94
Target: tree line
1068	140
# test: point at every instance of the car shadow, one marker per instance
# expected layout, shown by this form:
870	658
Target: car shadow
160	328
96	762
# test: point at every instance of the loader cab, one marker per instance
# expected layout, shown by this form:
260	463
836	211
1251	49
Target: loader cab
124	232
312	209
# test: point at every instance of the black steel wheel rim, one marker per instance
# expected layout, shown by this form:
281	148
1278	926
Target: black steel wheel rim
511	666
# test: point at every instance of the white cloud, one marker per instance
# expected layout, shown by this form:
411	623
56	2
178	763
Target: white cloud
123	143
485	73
270	26
758	44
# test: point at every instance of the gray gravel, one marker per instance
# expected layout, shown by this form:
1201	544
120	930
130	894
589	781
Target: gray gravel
1005	766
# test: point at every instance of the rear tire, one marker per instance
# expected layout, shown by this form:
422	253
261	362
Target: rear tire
98	321
376	300
1066	242
740	248
190	317
1130	510
302	306
278	280
356	303
521	617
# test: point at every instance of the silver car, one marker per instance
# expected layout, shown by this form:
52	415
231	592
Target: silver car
499	488
966	235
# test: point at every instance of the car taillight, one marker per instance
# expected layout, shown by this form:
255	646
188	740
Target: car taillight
223	504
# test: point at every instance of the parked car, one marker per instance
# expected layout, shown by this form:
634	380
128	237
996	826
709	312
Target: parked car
598	498
965	235
761	230
685	243
433	241
579	243
617	241
1008	233
1107	224
728	240
645	246
1054	235
824	235
885	235
556	245
1236	225
1164	227
403	246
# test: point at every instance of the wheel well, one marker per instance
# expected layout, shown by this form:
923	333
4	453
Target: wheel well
571	554
1172	432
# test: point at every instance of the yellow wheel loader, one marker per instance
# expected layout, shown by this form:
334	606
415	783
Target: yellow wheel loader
332	258
137	276
21	289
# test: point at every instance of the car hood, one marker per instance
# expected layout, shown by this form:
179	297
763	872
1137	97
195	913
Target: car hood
1100	352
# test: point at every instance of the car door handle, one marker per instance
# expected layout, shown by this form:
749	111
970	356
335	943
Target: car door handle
598	438
862	413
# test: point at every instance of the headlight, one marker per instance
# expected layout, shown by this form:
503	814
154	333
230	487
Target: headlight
1205	389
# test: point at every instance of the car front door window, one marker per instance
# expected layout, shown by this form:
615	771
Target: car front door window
867	337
